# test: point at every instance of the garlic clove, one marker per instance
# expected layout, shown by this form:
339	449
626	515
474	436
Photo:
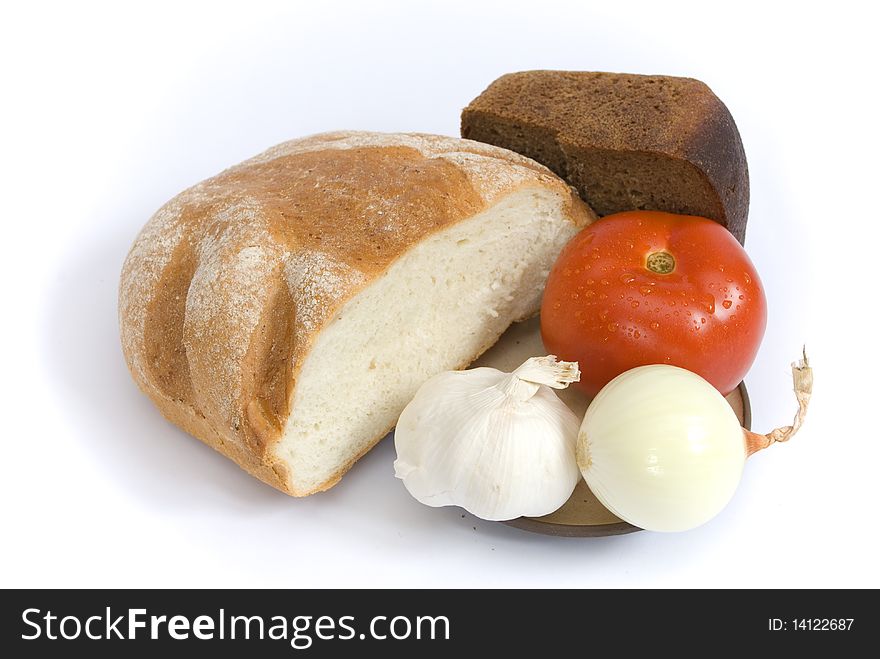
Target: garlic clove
499	445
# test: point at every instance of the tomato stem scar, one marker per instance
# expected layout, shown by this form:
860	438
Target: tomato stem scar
660	262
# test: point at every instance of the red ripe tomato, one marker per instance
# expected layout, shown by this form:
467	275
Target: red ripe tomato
645	287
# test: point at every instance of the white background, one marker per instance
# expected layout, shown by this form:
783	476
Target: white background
108	111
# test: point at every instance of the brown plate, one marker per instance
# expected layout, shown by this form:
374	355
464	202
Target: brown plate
582	515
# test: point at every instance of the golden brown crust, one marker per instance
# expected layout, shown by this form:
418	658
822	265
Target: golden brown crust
226	287
624	141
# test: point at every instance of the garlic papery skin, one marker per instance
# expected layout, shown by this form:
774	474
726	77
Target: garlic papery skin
661	448
500	445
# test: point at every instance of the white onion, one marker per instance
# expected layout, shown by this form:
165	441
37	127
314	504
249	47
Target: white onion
661	448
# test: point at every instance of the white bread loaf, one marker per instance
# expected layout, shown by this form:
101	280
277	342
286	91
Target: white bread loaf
285	311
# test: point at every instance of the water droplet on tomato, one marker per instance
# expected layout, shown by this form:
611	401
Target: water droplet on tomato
703	321
574	296
635	304
627	278
589	294
655	326
646	290
637	334
746	278
742	297
709	303
727	304
604	282
612	327
556	305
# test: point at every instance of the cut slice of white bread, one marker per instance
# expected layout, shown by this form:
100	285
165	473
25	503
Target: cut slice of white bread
437	308
286	311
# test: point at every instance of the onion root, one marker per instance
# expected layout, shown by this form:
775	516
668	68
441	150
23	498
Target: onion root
802	376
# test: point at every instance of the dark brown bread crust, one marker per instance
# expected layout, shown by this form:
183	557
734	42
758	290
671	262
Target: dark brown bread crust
624	141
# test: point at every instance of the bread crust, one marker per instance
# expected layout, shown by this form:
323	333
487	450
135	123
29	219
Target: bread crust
227	286
578	123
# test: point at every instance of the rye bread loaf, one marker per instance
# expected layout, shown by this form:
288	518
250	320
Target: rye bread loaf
285	311
623	141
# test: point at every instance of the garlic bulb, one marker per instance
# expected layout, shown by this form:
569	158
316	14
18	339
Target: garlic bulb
661	448
500	445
